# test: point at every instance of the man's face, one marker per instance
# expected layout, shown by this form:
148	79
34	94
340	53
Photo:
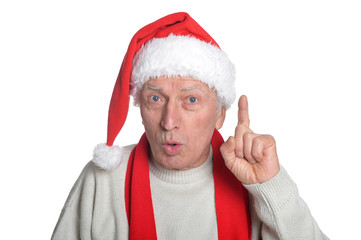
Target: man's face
179	116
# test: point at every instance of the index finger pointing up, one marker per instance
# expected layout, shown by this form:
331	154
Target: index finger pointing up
243	117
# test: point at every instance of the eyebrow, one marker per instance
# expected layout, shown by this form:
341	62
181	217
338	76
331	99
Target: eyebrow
192	88
154	87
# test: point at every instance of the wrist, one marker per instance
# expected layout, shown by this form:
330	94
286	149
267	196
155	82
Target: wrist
274	193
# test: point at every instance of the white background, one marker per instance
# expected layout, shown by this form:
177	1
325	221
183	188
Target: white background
299	63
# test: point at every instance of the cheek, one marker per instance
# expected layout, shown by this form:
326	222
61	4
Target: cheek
151	129
207	120
149	118
201	128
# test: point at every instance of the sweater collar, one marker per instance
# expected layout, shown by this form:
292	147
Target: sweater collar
182	176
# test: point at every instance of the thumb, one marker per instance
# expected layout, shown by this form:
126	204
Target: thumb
240	168
228	150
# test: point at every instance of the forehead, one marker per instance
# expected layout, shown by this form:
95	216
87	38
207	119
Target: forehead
175	83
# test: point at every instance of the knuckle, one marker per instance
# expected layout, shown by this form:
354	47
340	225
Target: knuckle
257	145
257	140
248	136
240	128
270	138
257	155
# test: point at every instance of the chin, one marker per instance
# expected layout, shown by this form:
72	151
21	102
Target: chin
173	163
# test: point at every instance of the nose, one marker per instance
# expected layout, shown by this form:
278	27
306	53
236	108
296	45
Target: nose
171	118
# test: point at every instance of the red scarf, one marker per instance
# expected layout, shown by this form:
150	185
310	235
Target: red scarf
233	218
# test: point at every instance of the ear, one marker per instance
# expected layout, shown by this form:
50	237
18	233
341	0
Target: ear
221	117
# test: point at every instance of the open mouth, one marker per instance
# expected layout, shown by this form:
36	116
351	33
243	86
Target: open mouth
172	148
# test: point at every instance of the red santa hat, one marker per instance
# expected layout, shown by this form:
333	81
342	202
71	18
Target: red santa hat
175	45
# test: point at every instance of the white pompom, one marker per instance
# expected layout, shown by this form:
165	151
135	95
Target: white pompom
107	158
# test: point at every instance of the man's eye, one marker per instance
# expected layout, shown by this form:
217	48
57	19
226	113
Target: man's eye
192	99
154	98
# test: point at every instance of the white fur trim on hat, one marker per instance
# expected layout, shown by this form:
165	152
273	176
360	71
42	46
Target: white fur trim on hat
185	56
107	158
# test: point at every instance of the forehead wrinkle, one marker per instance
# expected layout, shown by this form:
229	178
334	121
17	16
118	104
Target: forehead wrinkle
185	89
193	88
156	88
151	87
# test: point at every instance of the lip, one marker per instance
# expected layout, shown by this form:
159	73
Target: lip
172	148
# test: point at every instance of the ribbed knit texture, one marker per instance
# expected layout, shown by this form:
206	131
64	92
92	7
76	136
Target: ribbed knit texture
284	214
182	177
184	202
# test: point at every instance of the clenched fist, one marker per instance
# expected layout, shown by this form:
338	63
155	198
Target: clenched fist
251	157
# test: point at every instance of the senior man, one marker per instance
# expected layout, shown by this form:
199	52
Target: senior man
182	181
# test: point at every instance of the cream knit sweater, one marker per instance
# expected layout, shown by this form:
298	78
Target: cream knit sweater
184	206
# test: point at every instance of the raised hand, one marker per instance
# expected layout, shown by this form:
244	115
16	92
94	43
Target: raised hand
251	157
